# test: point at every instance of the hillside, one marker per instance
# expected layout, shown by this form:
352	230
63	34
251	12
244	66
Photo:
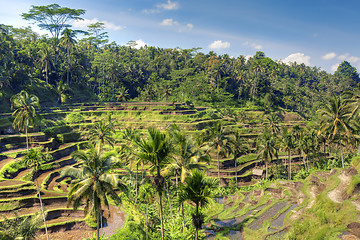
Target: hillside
257	210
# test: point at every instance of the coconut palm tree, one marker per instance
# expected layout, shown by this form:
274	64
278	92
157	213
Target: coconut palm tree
45	60
267	147
272	121
186	157
33	159
238	147
217	137
62	91
288	143
146	193
25	111
68	41
335	119
198	189
155	150
101	133
93	183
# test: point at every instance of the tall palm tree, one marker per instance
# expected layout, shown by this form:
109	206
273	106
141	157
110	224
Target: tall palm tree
238	147
267	147
217	137
93	183
198	189
186	157
101	133
68	41
146	193
45	60
155	150
33	159
288	143
335	119
25	111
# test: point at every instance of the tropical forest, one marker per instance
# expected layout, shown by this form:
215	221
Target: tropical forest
100	140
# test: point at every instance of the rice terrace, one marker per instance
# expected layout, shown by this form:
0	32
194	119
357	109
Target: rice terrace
100	140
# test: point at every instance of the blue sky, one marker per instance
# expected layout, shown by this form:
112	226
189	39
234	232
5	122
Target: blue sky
320	33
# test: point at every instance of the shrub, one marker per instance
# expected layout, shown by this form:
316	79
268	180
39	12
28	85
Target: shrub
68	137
75	117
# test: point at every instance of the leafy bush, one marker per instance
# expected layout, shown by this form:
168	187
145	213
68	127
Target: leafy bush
53	131
75	117
68	137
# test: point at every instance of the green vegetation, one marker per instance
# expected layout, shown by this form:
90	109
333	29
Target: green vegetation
159	152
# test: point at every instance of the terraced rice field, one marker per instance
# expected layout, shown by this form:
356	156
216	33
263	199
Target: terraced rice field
242	214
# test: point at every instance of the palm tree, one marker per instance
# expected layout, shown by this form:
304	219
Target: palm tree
335	119
267	146
146	193
186	157
33	159
238	147
272	120
68	41
93	183
217	137
155	150
199	190
45	60
25	111
63	91
101	133
123	94
288	143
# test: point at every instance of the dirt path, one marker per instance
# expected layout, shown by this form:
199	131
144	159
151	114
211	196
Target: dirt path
337	195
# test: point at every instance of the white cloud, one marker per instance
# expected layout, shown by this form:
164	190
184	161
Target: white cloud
82	24
219	45
253	45
334	67
169	22
163	6
189	26
328	56
343	56
348	57
298	58
168	6
140	43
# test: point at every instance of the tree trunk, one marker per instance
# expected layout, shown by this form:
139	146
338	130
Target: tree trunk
266	168
146	220
160	205
97	225
46	75
161	216
218	163
67	72
183	215
289	167
136	186
341	152
27	137
42	208
236	180
168	195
